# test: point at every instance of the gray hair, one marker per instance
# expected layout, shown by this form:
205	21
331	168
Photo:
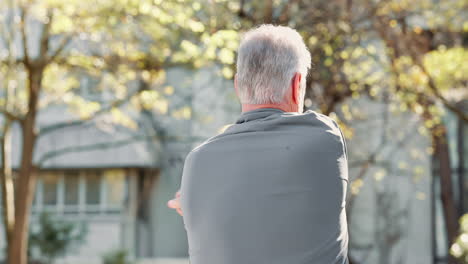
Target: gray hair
268	58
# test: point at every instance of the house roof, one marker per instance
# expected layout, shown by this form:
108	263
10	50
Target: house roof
89	145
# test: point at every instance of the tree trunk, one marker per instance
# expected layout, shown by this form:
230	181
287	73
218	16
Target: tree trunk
27	176
268	17
7	185
441	148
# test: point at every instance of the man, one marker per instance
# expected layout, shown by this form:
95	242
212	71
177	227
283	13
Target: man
270	189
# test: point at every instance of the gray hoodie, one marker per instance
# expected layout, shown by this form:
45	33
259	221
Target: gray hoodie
270	189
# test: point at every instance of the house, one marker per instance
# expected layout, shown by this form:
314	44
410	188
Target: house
116	180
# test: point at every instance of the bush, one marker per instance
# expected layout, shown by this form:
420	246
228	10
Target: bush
53	238
118	256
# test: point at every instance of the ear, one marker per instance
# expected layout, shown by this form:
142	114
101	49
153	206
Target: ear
296	87
235	85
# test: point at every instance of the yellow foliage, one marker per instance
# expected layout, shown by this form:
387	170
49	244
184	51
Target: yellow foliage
196	26
121	118
448	67
379	175
169	90
226	56
161	105
183	113
356	186
84	108
228	73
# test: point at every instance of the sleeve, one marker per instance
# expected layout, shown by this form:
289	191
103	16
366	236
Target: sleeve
344	143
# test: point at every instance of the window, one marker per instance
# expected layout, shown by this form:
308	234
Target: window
50	186
72	181
81	191
93	188
115	187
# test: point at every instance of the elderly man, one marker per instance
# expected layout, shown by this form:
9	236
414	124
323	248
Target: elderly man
270	189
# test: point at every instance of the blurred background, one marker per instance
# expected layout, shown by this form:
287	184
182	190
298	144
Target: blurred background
100	102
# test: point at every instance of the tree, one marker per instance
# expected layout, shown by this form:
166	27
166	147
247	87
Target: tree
426	70
125	45
409	55
352	42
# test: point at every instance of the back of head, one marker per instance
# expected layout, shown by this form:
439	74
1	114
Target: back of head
268	58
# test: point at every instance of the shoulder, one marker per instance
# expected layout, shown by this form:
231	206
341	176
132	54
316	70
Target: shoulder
318	115
321	119
201	147
332	125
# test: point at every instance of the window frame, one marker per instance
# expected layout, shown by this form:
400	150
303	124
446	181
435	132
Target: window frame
103	208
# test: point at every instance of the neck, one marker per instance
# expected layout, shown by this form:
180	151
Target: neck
284	107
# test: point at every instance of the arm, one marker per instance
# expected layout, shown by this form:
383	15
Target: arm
175	203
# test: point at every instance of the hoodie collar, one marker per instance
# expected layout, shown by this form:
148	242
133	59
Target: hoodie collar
257	114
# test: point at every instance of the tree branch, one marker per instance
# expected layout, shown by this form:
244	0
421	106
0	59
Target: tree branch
10	115
44	41
65	41
285	13
45	130
24	39
416	58
243	14
372	158
14	62
433	87
268	15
